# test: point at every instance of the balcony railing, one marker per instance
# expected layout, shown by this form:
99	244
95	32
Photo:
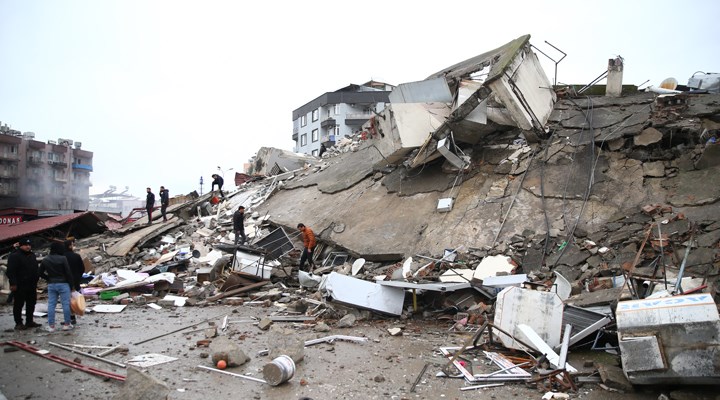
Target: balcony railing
60	164
330	122
86	167
9	156
34	159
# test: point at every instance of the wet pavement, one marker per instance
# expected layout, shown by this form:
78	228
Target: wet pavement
385	367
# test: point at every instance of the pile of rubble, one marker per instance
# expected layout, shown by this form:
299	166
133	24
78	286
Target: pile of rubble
529	229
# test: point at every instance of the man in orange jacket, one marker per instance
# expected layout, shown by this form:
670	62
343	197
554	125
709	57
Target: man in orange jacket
309	245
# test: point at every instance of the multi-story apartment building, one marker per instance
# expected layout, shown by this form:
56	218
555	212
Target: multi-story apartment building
44	176
333	115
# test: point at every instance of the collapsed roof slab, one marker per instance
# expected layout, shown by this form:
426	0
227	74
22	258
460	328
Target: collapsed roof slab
343	172
273	161
403	127
516	80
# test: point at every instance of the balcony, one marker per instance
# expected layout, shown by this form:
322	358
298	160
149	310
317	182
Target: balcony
9	175
85	167
58	164
357	118
8	192
295	137
9	157
328	123
34	160
328	140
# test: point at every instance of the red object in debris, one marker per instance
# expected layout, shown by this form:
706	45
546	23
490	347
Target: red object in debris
214	200
222	364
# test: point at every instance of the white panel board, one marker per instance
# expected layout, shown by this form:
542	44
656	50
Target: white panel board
542	311
353	291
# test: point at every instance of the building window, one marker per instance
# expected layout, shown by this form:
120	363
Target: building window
303	120
336	109
337	131
315	136
303	139
315	153
315	115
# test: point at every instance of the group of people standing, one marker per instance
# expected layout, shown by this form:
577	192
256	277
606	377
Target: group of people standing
62	269
150	203
165	198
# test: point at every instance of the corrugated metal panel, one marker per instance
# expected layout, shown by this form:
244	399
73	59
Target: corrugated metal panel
88	222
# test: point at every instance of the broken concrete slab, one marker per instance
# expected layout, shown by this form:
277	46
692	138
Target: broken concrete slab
690	188
614	378
647	137
142	386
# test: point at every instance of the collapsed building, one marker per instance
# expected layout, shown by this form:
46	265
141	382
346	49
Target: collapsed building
540	218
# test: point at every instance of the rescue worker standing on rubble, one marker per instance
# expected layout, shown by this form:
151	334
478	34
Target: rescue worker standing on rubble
308	238
164	202
22	272
77	268
149	204
218	180
56	271
239	225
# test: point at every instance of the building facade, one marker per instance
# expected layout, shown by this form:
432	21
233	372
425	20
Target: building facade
334	115
44	176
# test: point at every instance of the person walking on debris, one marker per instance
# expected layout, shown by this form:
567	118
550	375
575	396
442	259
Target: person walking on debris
22	272
149	204
239	225
56	271
164	202
308	238
218	180
77	268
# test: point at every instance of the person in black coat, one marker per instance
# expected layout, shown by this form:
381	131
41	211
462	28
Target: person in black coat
56	271
239	225
77	268
164	202
218	180
22	272
149	204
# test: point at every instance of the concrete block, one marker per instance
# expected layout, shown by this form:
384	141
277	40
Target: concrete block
265	324
614	378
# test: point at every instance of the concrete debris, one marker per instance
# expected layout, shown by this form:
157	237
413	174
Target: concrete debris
141	386
227	350
481	201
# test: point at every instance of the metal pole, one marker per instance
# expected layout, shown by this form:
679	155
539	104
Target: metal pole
70	349
678	284
232	374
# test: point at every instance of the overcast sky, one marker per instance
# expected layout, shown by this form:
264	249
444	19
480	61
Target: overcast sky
164	92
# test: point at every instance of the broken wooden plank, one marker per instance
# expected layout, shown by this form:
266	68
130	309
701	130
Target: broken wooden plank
138	238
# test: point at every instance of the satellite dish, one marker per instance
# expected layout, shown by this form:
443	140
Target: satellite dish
357	266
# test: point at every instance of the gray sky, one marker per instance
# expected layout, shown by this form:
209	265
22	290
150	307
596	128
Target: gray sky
164	92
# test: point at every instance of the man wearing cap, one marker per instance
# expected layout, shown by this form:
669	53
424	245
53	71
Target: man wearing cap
22	271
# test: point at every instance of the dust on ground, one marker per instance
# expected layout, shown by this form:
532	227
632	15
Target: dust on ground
385	367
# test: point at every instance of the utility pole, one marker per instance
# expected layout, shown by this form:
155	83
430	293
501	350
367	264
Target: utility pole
201	183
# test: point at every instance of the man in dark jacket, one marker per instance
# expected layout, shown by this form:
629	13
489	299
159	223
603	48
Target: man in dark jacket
56	271
164	202
77	268
218	180
22	272
149	204
239	225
